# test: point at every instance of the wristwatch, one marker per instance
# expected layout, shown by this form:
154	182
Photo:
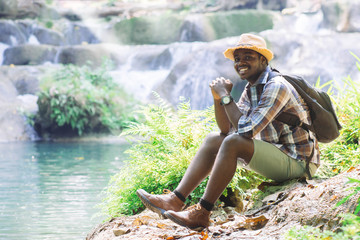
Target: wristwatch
226	100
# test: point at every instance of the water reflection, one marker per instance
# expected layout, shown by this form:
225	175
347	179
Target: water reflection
49	190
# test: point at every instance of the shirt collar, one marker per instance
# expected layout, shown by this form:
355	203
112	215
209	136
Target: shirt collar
263	76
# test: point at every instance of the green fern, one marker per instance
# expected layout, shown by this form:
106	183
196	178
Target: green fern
162	147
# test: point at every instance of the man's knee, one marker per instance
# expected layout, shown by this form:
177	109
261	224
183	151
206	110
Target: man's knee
235	139
241	145
214	139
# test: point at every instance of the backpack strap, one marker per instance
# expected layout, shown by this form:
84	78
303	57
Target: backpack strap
307	169
293	120
288	118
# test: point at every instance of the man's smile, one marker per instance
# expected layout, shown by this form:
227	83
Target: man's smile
242	69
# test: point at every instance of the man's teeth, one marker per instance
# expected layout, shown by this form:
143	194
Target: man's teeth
243	70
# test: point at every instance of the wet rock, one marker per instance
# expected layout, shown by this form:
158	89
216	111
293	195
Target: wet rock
354	17
70	15
276	5
168	28
161	29
18	86
28	103
226	5
151	59
83	54
195	28
11	33
48	36
234	23
8	8
12	122
35	8
8	91
77	33
314	56
342	16
29	54
25	78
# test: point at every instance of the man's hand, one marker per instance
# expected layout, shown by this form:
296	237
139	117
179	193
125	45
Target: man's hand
220	87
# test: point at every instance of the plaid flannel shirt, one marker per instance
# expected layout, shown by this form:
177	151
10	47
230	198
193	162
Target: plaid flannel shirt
260	109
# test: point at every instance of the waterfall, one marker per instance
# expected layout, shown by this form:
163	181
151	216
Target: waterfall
311	43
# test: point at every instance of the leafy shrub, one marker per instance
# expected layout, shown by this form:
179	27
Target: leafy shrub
83	99
344	153
167	140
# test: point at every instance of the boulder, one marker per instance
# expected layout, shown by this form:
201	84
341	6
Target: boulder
314	56
11	33
29	54
48	36
195	28
8	8
76	33
341	16
8	91
161	29
24	78
12	124
151	58
234	23
84	54
63	32
71	15
168	28
227	5
26	26
275	5
354	17
35	9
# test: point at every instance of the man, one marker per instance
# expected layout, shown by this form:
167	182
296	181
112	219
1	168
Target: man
249	133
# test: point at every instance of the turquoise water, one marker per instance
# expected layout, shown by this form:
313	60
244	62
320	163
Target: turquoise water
50	190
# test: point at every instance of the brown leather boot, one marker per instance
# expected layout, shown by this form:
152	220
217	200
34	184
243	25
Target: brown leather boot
195	217
160	203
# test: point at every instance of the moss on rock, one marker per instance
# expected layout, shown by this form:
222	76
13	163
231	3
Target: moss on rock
161	29
234	23
170	27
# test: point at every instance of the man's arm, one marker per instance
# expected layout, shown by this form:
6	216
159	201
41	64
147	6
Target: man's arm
228	115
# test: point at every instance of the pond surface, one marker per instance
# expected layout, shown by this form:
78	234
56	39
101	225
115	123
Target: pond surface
50	190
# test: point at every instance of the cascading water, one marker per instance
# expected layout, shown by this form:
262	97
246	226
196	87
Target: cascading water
300	42
176	70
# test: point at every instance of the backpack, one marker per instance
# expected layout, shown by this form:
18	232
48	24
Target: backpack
324	122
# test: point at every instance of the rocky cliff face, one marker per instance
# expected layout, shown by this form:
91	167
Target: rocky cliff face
176	53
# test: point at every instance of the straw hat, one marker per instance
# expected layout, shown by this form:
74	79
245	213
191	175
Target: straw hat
253	42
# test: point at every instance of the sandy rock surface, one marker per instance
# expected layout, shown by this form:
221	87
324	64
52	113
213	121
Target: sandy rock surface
310	202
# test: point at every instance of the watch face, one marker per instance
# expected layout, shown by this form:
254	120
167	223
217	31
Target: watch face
226	100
